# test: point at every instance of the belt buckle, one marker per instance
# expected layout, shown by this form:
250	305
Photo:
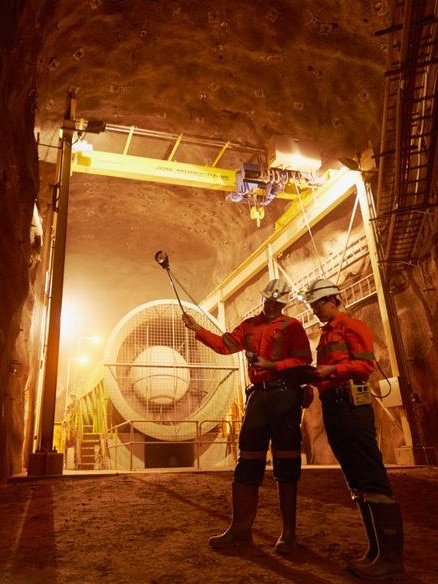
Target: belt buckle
275	384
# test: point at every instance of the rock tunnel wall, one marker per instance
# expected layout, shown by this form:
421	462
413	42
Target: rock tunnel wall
414	289
21	33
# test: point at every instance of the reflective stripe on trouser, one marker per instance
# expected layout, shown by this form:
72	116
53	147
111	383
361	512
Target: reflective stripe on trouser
270	416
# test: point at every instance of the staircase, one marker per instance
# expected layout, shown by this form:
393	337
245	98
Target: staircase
89	455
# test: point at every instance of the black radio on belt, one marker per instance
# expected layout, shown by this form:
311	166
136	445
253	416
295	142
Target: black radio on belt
252	357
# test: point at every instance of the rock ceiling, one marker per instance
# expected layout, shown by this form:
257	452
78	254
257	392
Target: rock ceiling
216	70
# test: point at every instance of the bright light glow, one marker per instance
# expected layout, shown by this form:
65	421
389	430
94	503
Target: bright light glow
78	320
82	146
287	153
74	315
95	339
83	359
303	163
301	296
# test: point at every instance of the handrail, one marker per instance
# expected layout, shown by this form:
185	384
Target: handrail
227	435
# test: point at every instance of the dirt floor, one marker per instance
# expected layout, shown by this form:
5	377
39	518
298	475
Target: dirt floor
153	528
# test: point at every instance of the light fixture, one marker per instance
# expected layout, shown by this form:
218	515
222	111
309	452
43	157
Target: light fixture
350	163
289	153
356	166
95	126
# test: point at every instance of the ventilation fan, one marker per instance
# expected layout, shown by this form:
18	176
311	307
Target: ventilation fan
167	384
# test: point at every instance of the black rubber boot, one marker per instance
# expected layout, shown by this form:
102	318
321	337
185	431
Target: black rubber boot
288	506
388	529
245	501
372	551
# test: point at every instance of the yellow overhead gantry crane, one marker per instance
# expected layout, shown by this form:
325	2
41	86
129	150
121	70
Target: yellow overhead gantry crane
252	180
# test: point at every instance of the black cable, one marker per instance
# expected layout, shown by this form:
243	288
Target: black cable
389	383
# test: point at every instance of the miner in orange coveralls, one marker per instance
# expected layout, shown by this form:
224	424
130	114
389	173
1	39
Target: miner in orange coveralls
345	360
279	358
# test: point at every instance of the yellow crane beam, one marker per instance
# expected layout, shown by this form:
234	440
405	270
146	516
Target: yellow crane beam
162	171
154	170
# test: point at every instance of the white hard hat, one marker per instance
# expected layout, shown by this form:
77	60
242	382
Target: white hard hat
277	290
320	289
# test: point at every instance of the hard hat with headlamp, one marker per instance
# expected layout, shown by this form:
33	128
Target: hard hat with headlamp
277	290
320	289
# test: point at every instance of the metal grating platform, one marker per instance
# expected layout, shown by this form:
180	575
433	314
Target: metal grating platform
406	194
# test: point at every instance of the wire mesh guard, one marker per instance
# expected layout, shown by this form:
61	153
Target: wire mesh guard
161	378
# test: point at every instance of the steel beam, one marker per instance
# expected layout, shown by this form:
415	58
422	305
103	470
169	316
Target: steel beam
163	171
327	198
154	170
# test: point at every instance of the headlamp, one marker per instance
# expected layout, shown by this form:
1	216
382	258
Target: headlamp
302	295
321	288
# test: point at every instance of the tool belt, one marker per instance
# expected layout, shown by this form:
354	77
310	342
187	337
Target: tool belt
335	395
281	384
268	385
355	394
291	378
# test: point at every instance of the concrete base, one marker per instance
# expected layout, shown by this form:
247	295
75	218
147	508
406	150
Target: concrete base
413	455
45	464
70	459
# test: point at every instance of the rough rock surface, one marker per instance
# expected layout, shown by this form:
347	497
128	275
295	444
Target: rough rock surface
242	72
154	528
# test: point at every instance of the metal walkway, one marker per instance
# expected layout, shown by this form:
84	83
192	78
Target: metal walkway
352	294
406	193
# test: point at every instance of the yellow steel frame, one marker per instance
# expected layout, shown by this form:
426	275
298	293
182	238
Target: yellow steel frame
163	171
337	189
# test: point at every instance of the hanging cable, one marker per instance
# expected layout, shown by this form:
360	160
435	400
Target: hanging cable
303	211
350	227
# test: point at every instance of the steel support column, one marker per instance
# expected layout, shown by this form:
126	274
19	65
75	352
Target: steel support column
45	461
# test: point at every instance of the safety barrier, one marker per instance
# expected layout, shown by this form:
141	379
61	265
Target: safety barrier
127	449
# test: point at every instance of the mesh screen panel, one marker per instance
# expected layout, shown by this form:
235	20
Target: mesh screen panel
161	378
